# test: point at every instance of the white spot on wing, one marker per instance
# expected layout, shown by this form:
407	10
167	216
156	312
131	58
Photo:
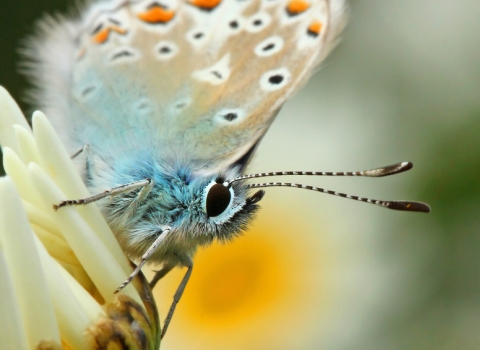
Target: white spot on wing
269	46
183	103
165	50
123	55
86	92
306	41
275	79
235	25
143	106
216	74
197	37
227	116
258	22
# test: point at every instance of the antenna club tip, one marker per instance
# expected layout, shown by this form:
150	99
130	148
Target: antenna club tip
409	206
403	166
421	207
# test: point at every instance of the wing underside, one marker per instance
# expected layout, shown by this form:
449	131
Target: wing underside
199	79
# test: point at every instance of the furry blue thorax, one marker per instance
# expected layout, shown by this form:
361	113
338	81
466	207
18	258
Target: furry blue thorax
176	200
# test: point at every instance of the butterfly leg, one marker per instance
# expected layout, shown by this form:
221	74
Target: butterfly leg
79	151
110	192
160	274
187	262
145	257
134	205
88	159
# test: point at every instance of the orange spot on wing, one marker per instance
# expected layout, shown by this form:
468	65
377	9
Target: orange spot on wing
296	7
102	36
156	14
205	4
315	28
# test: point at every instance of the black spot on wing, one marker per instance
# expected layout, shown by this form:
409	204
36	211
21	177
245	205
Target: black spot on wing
97	29
165	49
268	47
230	116
88	90
121	54
217	74
114	21
276	79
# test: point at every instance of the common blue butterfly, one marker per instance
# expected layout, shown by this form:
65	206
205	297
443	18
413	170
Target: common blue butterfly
167	100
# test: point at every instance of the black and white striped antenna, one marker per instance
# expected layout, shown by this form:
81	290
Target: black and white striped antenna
378	172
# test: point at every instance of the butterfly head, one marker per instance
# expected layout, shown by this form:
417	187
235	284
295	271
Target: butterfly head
217	208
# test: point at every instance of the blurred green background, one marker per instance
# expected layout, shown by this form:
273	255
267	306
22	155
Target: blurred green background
404	84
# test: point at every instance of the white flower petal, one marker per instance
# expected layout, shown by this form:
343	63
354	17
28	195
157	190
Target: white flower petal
26	144
74	313
17	170
24	264
12	331
10	114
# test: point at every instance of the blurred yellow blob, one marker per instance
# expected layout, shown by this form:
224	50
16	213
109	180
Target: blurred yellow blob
254	292
236	281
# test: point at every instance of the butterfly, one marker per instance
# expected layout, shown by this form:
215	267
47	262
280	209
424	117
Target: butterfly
166	101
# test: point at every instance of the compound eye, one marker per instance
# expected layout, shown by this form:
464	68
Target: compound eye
218	199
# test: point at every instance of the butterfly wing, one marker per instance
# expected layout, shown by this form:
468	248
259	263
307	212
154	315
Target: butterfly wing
200	80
